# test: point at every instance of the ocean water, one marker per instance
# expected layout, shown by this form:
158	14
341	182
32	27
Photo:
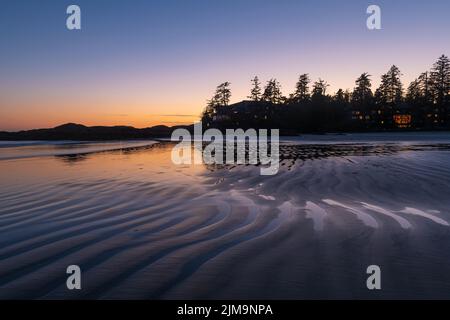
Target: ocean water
141	227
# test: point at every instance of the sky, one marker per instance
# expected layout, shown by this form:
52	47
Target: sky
144	63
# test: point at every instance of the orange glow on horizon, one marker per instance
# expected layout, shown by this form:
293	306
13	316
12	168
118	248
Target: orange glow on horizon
18	121
36	114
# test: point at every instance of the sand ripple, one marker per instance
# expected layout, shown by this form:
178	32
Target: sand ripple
140	227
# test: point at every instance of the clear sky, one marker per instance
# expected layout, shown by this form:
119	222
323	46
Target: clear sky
143	63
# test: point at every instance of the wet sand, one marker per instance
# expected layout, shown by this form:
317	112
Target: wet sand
141	227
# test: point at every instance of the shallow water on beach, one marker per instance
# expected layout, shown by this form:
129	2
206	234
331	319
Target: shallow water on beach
141	227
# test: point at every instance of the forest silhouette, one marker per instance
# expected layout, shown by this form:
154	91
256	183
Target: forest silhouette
423	105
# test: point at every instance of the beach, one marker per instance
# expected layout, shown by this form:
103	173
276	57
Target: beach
141	227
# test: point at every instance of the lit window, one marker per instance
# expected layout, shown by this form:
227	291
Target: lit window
402	120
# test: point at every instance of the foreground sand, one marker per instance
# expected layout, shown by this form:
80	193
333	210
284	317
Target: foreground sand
140	227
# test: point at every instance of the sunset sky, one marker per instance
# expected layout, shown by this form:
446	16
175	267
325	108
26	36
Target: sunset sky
144	63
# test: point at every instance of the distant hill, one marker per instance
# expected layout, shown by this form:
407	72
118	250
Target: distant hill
73	131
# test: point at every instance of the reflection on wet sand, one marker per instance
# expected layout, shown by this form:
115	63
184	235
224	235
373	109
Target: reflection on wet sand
141	227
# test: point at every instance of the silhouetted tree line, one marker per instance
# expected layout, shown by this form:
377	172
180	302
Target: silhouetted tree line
424	105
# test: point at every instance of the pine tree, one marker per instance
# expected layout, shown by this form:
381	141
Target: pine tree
272	92
362	94
255	93
440	79
224	93
221	97
391	88
395	87
301	89
319	89
425	88
388	97
414	94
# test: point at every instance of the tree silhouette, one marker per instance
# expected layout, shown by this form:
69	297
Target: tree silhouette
223	94
425	105
272	92
255	93
425	87
391	88
414	93
362	94
301	89
440	79
221	97
319	89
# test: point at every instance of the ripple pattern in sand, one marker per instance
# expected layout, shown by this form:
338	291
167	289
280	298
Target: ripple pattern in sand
156	231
